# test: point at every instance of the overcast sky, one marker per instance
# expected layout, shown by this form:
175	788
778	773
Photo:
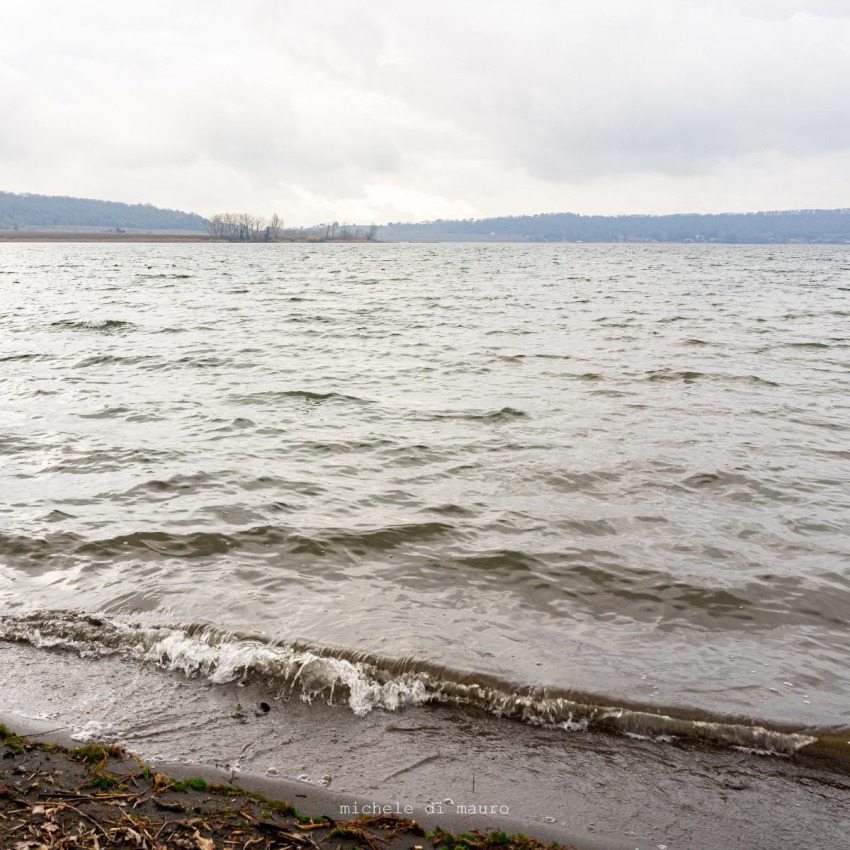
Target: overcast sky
387	111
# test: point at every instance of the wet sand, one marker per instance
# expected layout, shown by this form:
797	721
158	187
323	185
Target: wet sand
41	769
95	797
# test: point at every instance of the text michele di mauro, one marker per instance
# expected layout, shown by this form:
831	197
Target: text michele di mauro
444	807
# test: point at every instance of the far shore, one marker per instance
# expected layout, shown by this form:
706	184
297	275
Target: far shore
107	236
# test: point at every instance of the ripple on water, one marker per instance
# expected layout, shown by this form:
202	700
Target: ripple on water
562	465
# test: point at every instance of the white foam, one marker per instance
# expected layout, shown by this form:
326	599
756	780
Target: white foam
364	685
90	731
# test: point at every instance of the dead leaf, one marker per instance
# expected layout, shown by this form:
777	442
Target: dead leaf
160	782
203	843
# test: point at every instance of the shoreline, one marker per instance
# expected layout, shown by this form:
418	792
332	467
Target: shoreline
545	705
17	237
120	799
93	773
585	789
143	238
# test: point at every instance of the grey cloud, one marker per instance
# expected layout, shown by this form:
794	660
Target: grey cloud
678	93
428	108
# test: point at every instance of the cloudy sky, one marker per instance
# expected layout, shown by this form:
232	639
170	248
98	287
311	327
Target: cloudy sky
388	110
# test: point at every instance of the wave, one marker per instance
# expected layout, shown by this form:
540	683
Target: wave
503	415
113	360
276	396
689	377
10	358
366	681
204	544
102	325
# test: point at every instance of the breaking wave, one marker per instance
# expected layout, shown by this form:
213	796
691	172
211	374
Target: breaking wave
366	681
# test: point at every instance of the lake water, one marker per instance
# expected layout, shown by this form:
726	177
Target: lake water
579	485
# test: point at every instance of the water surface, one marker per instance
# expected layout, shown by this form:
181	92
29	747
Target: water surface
564	482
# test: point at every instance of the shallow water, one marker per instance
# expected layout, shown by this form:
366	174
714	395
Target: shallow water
574	484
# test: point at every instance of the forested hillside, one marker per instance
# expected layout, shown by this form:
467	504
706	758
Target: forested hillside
762	227
35	211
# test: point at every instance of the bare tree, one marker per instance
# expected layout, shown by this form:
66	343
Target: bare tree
244	227
274	229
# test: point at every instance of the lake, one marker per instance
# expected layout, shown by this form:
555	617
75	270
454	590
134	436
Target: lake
583	486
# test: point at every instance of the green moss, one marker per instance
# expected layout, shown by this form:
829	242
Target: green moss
196	784
345	832
12	741
227	790
319	819
105	781
494	840
96	754
274	805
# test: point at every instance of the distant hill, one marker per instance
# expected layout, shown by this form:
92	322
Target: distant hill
830	226
48	211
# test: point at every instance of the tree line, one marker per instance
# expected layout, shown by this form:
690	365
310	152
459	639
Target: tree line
244	227
831	226
56	211
337	231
